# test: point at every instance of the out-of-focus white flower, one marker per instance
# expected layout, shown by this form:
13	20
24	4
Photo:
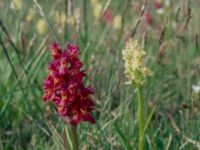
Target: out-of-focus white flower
195	96
160	11
196	88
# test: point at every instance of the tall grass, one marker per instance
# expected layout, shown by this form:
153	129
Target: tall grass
171	42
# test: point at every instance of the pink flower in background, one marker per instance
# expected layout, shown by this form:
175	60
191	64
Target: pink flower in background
148	18
108	16
158	4
64	85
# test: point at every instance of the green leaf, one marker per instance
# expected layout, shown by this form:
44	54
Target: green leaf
149	119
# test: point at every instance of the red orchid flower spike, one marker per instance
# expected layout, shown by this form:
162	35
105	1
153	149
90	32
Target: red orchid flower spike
64	85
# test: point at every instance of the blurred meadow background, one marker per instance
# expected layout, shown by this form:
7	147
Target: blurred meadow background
169	32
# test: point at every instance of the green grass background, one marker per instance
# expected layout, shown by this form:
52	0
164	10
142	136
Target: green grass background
27	122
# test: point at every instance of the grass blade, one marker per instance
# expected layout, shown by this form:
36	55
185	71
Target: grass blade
122	137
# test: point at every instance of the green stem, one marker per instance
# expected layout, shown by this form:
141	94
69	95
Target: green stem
85	20
140	119
74	137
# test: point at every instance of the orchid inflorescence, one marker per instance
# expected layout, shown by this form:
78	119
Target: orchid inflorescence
136	72
64	85
135	68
